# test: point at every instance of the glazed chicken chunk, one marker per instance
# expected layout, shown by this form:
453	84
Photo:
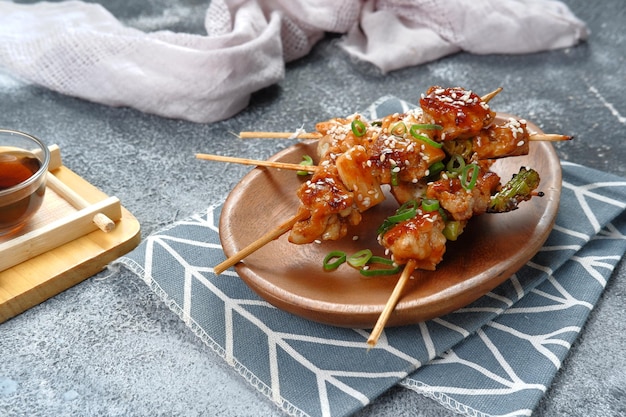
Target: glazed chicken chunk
460	112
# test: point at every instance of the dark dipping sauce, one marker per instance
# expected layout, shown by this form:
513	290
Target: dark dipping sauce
17	166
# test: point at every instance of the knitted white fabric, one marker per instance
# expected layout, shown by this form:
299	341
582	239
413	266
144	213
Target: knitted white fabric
81	49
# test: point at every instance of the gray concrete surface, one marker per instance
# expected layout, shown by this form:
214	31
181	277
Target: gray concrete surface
108	347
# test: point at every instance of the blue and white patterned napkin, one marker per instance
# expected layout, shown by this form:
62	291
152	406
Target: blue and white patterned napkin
496	356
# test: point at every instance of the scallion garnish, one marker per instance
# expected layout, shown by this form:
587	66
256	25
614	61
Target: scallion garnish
428	126
333	260
398	129
435	169
430	204
455	165
363	260
471	183
360	258
394	174
406	211
414	132
452	230
358	128
371	272
306	161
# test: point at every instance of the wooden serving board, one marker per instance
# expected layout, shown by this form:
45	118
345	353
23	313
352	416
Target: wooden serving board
61	246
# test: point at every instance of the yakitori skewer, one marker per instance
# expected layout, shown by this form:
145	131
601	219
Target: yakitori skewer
536	137
316	135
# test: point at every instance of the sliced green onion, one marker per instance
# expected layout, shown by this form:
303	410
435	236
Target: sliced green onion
376	123
394	175
428	126
452	230
430	204
399	129
306	161
423	138
380	260
471	183
333	260
435	169
443	214
360	258
455	166
406	211
369	272
358	128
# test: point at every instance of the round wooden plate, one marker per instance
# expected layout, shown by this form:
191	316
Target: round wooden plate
291	277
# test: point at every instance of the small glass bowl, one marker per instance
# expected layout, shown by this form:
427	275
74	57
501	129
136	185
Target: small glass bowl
24	163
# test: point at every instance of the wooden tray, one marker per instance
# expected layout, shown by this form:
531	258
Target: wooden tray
62	246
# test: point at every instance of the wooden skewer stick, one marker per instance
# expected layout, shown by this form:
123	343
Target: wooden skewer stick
487	97
256	162
101	220
548	137
259	243
279	135
391	303
537	137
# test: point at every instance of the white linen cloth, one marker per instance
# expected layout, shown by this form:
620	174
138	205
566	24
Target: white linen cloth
81	49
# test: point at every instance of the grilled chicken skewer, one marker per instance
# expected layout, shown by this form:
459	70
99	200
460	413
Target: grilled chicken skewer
435	158
357	160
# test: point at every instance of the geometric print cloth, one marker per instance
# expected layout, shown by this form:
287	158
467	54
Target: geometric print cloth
494	357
